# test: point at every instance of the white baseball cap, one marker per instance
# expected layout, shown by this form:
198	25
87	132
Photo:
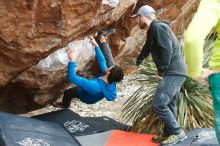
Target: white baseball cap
144	11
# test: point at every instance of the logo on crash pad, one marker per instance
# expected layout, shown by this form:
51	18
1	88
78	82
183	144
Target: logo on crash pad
33	142
75	126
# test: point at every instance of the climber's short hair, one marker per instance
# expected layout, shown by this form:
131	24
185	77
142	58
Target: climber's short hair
116	74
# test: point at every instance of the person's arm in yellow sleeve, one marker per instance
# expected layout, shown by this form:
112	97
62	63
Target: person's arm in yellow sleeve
204	20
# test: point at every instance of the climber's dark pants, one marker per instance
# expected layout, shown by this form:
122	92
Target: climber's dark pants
68	95
72	92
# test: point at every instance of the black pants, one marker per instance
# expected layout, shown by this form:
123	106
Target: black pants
68	95
71	93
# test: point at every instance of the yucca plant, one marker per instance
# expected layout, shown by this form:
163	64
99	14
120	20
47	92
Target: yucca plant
194	107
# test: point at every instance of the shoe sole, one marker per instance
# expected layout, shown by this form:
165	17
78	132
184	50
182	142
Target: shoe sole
159	141
109	32
59	106
175	142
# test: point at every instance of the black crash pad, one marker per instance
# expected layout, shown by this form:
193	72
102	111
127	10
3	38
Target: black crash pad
21	131
79	126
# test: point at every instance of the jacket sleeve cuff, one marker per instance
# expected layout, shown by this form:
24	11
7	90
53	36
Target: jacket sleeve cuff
72	64
97	47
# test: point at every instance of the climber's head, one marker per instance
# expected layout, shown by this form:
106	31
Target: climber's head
114	74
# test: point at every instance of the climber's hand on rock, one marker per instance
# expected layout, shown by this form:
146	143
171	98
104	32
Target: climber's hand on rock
93	41
72	54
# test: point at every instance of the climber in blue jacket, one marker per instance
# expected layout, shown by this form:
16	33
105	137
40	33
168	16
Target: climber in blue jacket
93	90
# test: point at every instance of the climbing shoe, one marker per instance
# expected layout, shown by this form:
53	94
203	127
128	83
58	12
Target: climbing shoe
106	32
59	105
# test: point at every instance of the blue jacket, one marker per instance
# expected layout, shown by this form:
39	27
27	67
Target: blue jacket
93	90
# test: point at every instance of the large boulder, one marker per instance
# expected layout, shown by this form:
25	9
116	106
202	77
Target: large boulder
35	32
33	29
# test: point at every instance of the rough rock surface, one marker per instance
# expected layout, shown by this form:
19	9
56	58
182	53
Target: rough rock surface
33	29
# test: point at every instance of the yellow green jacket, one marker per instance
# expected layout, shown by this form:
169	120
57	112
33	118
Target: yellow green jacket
206	18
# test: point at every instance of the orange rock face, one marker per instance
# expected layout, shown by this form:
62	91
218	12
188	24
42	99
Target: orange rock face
31	30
